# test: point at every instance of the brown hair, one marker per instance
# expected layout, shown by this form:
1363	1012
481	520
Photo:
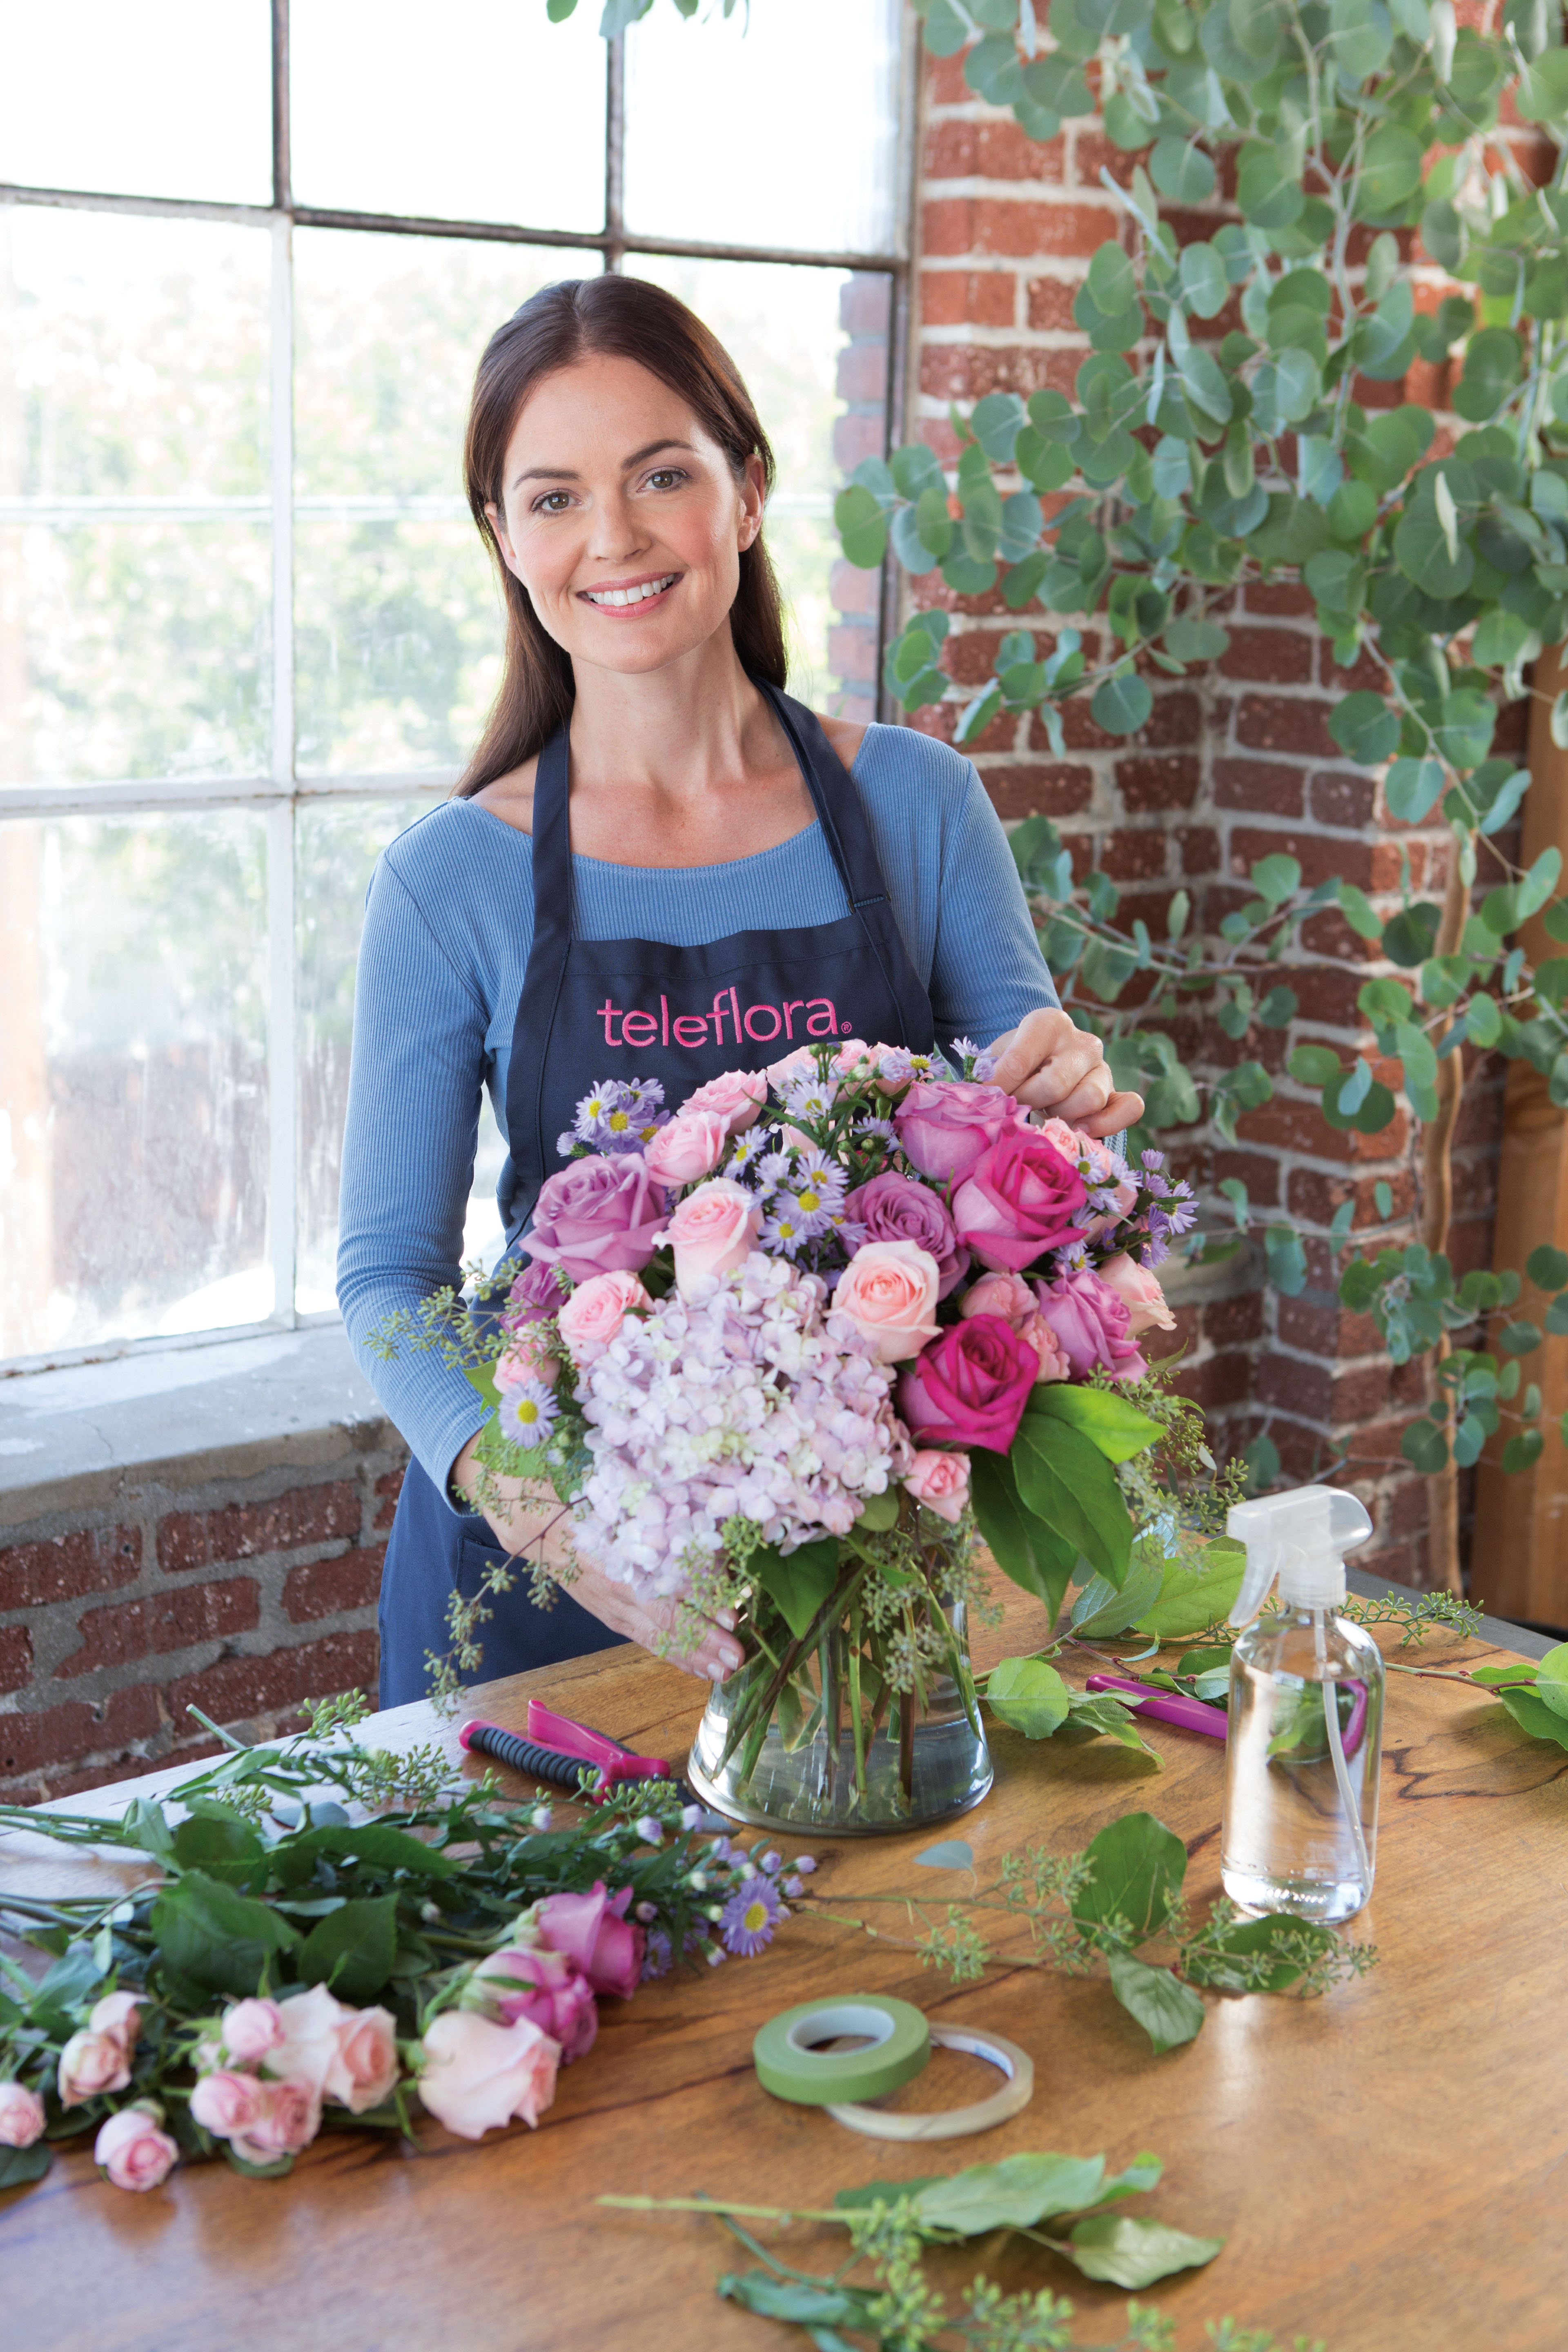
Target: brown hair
627	317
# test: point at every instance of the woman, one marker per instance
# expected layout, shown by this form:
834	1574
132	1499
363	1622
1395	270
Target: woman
657	866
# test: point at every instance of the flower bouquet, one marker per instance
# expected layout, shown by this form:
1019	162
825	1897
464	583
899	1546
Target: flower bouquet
785	1349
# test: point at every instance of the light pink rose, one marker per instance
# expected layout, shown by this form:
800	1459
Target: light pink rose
593	1929
250	2029
594	1314
853	1050
801	1063
688	1146
225	2102
308	2052
289	2119
349	2056
1056	1364
546	1987
477	2075
889	1293
93	2064
527	1358
367	2060
1141	1290
119	2013
1002	1293
132	2151
22	2116
736	1097
940	1481
714	1228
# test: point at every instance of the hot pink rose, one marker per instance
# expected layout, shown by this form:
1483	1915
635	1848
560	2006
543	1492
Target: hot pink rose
1055	1362
595	1313
547	1987
528	1357
22	2116
600	1215
940	1481
713	1230
736	1097
225	2102
592	1930
1018	1201
132	2151
896	1209
970	1387
250	2029
946	1125
349	2056
1140	1291
688	1146
889	1294
1007	1295
477	2075
289	2119
92	2065
1092	1325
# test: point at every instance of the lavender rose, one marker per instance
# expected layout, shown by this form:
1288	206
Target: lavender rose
1018	1201
535	1293
597	1216
945	1125
896	1209
1092	1325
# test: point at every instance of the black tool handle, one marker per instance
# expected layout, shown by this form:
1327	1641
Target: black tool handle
525	1756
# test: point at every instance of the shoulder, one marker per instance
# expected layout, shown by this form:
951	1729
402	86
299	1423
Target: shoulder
445	854
900	763
510	797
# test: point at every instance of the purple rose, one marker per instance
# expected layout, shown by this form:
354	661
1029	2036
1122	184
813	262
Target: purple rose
1019	1200
970	1386
896	1209
597	1216
945	1125
1092	1325
535	1293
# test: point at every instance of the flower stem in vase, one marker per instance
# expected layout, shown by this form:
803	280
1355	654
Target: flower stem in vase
907	1745
829	1655
857	1716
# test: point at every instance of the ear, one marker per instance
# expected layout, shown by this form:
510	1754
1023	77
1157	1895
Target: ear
497	522
752	492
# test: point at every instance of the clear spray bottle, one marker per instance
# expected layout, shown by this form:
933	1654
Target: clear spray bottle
1306	1714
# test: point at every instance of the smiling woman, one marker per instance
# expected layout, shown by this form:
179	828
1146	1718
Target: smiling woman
649	822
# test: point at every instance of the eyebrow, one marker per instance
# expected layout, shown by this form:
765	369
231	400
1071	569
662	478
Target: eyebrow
568	473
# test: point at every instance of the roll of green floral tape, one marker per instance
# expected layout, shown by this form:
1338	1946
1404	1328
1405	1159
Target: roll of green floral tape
791	2065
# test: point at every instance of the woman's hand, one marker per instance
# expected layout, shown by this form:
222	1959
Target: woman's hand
532	1519
1054	1067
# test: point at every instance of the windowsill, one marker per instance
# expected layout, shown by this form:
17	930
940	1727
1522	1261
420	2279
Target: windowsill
73	1437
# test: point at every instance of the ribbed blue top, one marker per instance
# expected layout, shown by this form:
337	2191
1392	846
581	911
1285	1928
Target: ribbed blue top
448	925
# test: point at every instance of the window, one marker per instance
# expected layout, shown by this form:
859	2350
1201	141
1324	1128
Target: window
248	256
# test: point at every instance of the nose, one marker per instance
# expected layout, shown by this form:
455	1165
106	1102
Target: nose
617	535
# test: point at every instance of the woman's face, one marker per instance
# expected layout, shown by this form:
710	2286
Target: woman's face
622	518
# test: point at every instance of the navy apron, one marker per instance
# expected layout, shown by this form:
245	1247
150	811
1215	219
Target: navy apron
594	1009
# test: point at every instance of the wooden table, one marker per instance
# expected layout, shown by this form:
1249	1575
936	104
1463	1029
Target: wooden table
1386	2164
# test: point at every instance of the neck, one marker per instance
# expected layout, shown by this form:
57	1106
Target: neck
696	722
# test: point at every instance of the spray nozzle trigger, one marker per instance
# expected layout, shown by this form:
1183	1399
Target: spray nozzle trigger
1301	1537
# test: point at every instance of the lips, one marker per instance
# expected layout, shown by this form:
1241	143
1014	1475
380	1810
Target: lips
632	597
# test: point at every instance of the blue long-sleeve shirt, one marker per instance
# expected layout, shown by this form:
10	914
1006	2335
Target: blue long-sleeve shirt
448	925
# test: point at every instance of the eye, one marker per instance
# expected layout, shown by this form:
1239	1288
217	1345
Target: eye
665	478
552	502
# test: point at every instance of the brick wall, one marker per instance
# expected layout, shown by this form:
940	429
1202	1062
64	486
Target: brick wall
1235	762
243	1597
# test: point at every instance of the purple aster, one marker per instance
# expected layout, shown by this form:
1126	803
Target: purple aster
811	1098
746	1150
658	1954
642	1095
805	1862
984	1069
597	1108
1153	1159
897	1066
965	1048
1181	1216
772	1168
1154	1251
528	1414
788	1231
1071	1260
750	1914
869	1124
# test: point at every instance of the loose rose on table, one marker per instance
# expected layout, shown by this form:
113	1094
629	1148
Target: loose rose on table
477	2075
133	2149
22	2116
544	1986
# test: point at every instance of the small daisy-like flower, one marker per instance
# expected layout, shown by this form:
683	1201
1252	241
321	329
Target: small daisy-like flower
786	1231
650	1831
773	1863
1181	1216
750	1915
746	1150
647	1912
1153	1159
529	1413
869	1124
721	1849
595	1108
773	1170
793	1886
541	1817
964	1049
717	1956
644	1096
812	1099
984	1069
566	1145
1074	1259
1154	1251
896	1066
656	1954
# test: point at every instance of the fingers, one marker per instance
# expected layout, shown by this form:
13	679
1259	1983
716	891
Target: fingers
702	1648
1121	1112
1021	1051
1054	1067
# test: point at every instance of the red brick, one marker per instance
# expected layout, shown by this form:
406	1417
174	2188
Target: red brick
1276	656
1050	301
1199	846
1280	596
852	652
389	1488
1038	790
1296	1386
15	1658
1093	153
1370	865
1158	781
1135	856
52	1734
971	371
307	1515
175	1620
1260	1175
1229	1321
1218	1381
1342	800
1272	722
863	372
1362	675
968	298
988	151
237	1687
852	591
1268	788
323	1586
63	1568
995	225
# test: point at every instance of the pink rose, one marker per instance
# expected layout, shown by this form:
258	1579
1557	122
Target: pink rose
889	1294
1098	1165
477	2075
225	2102
595	1311
349	2056
853	1050
970	1386
592	1930
22	2116
801	1063
132	2151
1055	1362
1007	1295
547	1987
119	2013
250	2029
940	1481
93	2064
1140	1291
736	1097
713	1230
527	1356
1092	1325
600	1215
290	2118
1018	1201
896	1209
366	2070
946	1125
687	1148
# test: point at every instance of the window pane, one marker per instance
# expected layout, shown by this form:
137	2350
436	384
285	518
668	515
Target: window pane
134	548
133	1129
479	109
337	843
788	330
170	97
779	127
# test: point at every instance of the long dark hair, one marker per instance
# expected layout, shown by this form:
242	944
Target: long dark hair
625	318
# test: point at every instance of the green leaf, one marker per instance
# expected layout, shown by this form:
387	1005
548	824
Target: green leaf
1015	2194
802	2300
1520	1338
220	1939
1287	1259
1246	1940
1190	640
20	2164
1523	1451
1181	172
483	1376
1551	1676
1101	1611
885	2192
1413	788
1028	1694
862	527
1121	703
1315	1065
1139	1865
373	1845
1193	1595
799	1582
352	1950
1205	282
1426	1446
1533	1714
1119	1429
214	1834
1170	2012
1031	1554
1364	728
1066	1482
1390	173
1547	1267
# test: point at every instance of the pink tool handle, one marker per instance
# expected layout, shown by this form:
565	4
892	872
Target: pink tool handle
1166	1707
570	1739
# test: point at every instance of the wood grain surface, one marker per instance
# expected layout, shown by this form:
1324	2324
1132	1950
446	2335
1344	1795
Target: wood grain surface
1386	2164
